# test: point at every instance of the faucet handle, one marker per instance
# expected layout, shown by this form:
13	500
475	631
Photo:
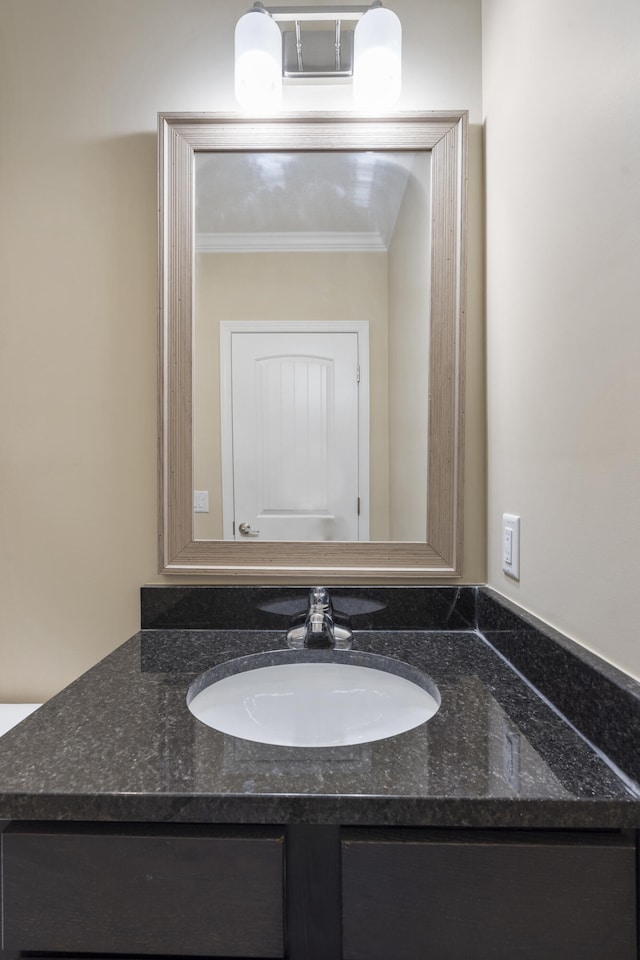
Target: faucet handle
319	595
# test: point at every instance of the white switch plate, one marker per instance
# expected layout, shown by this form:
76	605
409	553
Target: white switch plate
511	545
201	501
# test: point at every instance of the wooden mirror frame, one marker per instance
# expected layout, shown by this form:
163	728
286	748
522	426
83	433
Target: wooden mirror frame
180	136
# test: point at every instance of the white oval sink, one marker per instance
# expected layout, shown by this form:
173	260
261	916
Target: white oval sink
314	698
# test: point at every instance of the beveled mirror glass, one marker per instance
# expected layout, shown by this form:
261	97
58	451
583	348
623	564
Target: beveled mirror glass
276	232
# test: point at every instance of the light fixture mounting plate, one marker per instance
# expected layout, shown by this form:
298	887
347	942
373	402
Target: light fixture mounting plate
317	55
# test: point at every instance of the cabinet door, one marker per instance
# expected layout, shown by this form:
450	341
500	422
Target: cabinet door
416	895
175	891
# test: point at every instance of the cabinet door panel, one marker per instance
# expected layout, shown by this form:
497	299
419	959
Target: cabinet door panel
492	900
147	894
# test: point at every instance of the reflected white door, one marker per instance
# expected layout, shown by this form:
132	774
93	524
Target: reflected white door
295	435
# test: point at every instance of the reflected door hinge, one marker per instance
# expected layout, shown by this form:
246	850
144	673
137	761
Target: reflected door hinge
358	374
233	532
358	506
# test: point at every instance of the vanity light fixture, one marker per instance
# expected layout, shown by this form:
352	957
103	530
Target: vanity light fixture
291	44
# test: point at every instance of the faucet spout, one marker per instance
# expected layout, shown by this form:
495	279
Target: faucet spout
319	631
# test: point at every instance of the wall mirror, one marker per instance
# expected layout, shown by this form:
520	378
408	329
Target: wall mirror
312	282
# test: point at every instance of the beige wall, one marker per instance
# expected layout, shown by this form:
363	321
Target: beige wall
409	308
80	87
561	88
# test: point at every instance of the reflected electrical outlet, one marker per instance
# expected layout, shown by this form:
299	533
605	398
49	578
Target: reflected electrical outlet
511	759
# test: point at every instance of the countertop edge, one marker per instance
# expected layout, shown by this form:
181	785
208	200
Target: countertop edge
346	811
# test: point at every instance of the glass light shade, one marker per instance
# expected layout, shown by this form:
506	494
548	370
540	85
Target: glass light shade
377	59
258	53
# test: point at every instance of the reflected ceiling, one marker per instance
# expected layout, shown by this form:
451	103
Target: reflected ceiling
298	201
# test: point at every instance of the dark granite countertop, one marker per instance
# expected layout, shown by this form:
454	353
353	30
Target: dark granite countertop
119	744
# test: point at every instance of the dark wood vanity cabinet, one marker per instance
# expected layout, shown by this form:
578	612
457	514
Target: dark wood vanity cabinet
180	891
319	892
499	895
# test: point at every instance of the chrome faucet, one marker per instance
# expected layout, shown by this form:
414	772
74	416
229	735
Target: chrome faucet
319	630
319	623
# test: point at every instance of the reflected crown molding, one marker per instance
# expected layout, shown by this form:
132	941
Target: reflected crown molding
288	242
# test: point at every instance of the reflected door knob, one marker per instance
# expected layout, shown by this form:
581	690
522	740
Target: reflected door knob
245	530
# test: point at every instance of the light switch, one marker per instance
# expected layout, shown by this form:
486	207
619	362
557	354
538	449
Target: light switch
201	501
511	545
